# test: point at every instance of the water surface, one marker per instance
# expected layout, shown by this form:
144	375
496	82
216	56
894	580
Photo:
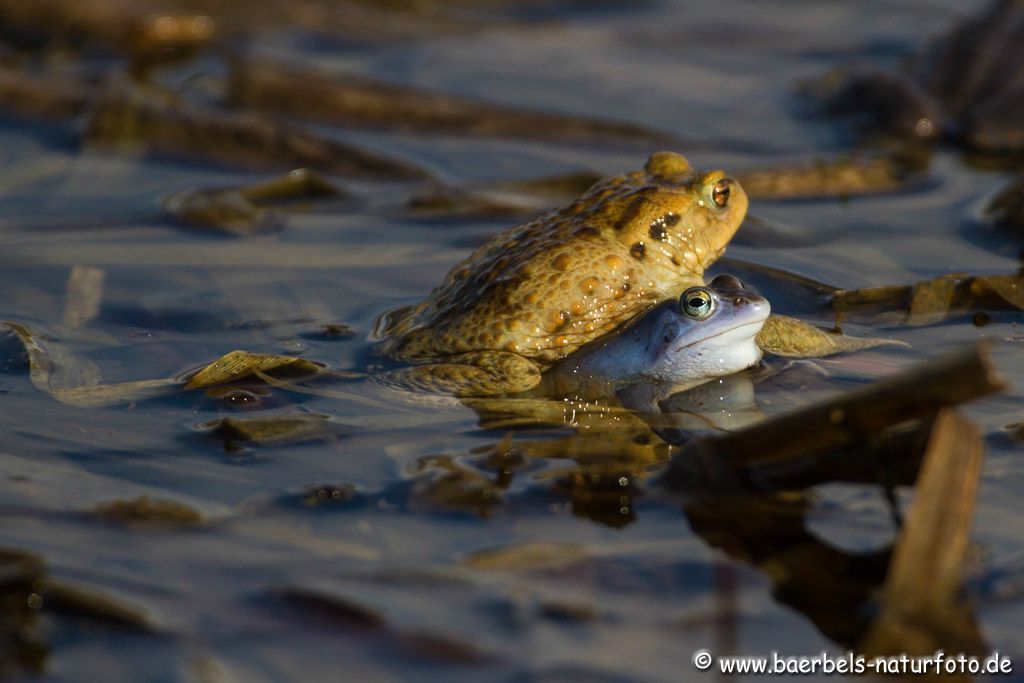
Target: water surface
332	557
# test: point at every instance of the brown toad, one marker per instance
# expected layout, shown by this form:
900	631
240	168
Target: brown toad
535	293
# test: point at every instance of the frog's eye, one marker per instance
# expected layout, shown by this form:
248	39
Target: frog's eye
696	303
720	193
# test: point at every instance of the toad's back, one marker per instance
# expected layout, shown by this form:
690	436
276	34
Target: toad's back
542	289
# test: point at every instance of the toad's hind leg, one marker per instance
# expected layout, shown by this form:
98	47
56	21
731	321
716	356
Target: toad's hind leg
480	373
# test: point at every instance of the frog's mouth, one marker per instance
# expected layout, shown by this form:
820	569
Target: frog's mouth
733	335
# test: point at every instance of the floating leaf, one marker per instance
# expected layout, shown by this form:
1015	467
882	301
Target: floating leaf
102	395
931	301
148	511
442	482
528	557
344	99
242	210
51	366
228	211
332	332
841	177
272	429
87	603
340	609
74	380
454	201
240	364
301	183
131	120
1010	288
792	338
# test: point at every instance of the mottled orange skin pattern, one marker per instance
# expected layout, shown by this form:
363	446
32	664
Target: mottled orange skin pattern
541	290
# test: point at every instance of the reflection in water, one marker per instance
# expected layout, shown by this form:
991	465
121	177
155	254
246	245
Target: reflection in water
833	588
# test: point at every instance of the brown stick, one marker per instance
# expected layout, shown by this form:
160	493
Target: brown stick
853	418
304	91
921	606
930	301
53	99
252	140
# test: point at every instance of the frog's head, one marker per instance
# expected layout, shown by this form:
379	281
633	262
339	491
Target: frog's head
676	217
708	332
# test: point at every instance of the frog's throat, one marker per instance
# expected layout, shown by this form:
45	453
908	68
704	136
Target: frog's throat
732	335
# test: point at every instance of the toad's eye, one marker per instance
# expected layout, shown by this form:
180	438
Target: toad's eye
720	193
696	302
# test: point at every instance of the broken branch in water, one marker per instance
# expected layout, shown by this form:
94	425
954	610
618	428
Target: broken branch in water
128	117
337	98
922	610
841	177
930	301
53	98
242	211
253	140
854	418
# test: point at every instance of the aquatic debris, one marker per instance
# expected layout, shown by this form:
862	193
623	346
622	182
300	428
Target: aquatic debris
28	595
538	556
928	302
922	609
129	120
88	603
332	332
153	33
842	177
76	381
52	368
510	198
343	611
243	211
833	587
1006	210
146	511
271	429
305	91
854	418
568	611
85	295
789	337
339	609
961	86
450	202
442	482
21	645
68	377
226	211
241	364
145	29
604	491
48	98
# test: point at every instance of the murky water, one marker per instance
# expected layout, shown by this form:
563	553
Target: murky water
400	542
